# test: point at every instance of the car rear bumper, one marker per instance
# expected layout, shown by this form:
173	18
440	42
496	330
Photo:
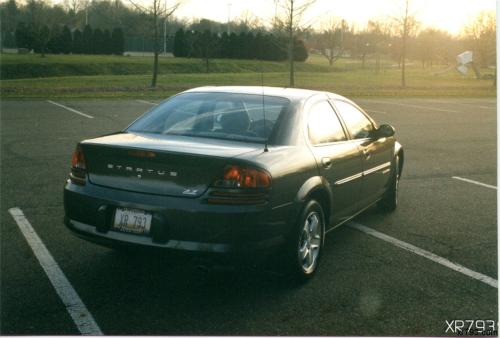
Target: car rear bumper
186	224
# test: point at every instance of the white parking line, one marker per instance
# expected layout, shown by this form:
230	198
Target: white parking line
424	253
458	103
475	182
78	311
148	102
376	111
412	106
70	109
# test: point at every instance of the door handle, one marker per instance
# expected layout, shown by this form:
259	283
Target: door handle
326	162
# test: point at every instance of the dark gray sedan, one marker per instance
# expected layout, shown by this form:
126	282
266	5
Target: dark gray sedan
235	170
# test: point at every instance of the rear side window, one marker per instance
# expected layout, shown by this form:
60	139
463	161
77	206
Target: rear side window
231	116
324	125
358	124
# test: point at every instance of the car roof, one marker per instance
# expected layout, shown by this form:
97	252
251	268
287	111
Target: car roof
294	94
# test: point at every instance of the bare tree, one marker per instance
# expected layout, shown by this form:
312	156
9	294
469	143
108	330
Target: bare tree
331	40
288	18
407	25
248	21
157	10
481	36
73	6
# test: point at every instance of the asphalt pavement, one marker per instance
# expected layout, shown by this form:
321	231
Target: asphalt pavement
366	285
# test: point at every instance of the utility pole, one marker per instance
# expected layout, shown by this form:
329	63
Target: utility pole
228	18
165	31
405	38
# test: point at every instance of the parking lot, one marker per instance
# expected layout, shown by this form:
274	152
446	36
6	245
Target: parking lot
368	283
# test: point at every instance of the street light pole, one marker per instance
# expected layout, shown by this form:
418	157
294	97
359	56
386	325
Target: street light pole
165	31
228	18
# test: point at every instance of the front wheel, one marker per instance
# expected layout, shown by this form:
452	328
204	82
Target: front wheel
307	242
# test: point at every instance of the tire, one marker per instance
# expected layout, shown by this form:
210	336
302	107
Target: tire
306	243
389	201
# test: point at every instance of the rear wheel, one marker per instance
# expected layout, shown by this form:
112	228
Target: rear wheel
389	201
304	249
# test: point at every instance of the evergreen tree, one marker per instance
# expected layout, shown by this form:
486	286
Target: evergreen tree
190	38
43	39
78	45
66	40
54	43
118	41
24	36
300	52
233	46
225	46
97	42
180	45
107	45
257	46
87	40
9	40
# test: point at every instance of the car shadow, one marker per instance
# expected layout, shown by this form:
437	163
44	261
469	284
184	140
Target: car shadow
149	292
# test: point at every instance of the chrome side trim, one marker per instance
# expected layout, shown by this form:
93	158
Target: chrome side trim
348	179
282	205
365	173
377	168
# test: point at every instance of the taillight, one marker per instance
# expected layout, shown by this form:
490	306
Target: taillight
238	177
78	167
241	186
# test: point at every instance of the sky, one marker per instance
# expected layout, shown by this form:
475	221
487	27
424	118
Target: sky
449	15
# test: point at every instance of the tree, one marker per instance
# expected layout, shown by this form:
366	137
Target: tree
66	40
87	40
481	36
300	53
379	37
43	39
331	40
73	6
107	44
24	36
9	40
407	25
289	20
9	14
180	46
78	45
98	42
206	47
156	11
54	45
118	41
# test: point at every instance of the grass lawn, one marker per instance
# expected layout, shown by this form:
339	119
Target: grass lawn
177	74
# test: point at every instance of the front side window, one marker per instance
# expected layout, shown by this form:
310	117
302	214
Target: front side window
228	116
358	124
324	125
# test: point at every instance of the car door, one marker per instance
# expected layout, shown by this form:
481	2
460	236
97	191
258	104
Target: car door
377	152
339	159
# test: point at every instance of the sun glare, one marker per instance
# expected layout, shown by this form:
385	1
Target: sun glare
449	15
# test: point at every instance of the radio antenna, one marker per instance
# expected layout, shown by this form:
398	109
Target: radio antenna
263	101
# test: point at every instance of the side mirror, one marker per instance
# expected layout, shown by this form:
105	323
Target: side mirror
385	130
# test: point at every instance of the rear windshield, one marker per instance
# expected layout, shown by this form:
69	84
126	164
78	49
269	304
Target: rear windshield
215	115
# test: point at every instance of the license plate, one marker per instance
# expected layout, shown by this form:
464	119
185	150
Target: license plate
132	220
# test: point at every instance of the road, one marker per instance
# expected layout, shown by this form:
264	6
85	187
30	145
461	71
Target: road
365	285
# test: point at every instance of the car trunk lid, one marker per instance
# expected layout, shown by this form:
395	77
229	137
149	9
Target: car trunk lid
159	164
